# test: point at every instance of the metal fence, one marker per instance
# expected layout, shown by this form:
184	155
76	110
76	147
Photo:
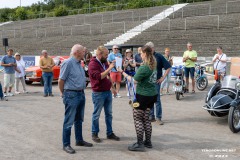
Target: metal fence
167	24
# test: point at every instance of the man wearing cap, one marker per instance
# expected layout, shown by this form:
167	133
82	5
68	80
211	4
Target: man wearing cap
46	63
162	63
9	64
115	75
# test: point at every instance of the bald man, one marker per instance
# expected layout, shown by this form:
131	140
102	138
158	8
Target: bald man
72	82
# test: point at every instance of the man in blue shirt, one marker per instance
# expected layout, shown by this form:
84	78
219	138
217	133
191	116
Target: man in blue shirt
162	63
72	82
115	75
138	58
9	64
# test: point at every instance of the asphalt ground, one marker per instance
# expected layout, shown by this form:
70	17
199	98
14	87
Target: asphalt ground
31	129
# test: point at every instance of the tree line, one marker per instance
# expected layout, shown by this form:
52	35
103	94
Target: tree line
51	8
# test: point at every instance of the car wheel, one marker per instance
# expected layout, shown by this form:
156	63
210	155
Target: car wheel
28	82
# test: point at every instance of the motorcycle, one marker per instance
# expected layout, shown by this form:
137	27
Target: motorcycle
223	99
201	78
234	112
179	86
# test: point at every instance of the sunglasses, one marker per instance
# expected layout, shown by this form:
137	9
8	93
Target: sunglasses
115	48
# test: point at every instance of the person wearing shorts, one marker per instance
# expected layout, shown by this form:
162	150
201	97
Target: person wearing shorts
189	58
115	75
9	64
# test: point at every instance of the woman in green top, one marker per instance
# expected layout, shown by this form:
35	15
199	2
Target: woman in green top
146	96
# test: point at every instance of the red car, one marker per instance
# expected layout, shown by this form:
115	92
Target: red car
34	73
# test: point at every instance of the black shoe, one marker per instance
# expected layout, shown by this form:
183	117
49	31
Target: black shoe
84	143
136	147
45	95
95	138
51	95
148	144
152	119
113	137
69	149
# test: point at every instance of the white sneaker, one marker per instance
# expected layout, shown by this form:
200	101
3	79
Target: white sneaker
17	92
10	94
128	94
118	95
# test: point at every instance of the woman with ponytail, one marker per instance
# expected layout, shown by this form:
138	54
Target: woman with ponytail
146	96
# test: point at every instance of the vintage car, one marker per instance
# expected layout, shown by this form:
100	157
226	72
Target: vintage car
34	73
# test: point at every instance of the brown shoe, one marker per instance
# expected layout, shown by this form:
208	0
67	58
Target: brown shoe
95	138
160	122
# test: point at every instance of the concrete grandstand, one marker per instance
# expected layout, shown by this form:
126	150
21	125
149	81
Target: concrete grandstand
206	24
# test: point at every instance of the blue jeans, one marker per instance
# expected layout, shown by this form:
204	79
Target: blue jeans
157	104
1	92
74	114
100	100
47	78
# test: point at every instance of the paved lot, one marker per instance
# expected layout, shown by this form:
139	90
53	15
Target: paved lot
31	128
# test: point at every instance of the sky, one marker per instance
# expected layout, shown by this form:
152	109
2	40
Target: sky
16	3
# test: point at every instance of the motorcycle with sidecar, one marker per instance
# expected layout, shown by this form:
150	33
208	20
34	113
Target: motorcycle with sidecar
223	100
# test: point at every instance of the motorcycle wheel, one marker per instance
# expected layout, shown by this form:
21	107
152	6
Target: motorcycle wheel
177	95
202	83
234	119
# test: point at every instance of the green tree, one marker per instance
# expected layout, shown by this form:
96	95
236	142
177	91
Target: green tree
21	13
61	11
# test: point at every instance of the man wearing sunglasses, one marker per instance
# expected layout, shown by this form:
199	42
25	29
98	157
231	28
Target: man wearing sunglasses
115	75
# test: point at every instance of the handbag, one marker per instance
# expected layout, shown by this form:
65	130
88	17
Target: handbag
215	71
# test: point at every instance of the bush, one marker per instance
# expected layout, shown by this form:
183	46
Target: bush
61	11
21	13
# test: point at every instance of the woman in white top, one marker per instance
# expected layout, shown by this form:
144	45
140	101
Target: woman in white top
220	62
20	73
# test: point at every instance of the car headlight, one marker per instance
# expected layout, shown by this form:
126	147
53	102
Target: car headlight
237	86
34	74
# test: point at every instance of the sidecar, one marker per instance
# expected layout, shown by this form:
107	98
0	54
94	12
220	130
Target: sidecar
220	96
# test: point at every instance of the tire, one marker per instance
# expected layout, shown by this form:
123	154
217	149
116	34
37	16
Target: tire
177	95
202	83
234	119
28	82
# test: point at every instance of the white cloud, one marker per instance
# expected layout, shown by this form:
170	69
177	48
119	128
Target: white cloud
16	3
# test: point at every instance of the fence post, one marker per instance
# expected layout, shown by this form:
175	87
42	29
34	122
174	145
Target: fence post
112	17
147	13
173	12
101	28
45	32
90	29
132	16
185	24
36	32
218	22
14	33
169	24
71	30
210	8
226	8
182	12
62	30
124	27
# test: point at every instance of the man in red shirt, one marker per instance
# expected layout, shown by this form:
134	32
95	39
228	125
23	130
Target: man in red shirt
102	96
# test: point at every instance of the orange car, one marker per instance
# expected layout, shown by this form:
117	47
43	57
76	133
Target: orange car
34	73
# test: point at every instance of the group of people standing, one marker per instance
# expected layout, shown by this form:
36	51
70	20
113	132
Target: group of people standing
14	72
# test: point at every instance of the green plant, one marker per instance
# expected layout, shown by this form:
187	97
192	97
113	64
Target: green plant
61	11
